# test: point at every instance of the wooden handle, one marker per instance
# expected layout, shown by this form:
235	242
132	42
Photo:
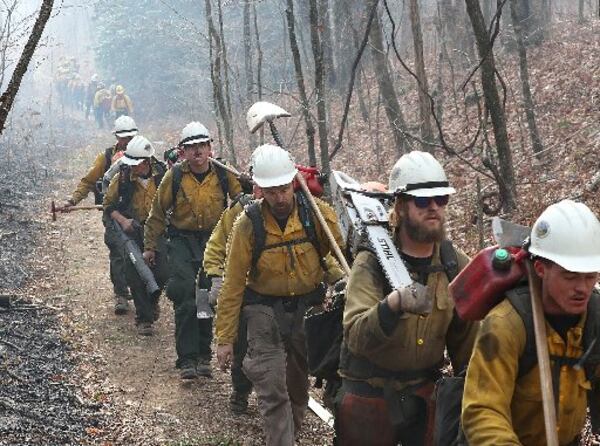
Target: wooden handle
541	347
225	166
332	241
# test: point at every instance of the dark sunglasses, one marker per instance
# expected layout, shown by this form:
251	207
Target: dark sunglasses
424	202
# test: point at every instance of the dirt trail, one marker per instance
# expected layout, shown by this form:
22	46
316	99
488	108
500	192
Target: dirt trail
144	399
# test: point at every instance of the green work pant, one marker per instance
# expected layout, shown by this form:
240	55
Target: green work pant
117	261
193	336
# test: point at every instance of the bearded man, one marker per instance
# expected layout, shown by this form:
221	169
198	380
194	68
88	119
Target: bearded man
394	339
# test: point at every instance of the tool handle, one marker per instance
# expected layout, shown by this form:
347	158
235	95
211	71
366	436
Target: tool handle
230	169
541	347
332	242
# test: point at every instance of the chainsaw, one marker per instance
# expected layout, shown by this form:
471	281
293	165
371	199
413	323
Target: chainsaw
363	216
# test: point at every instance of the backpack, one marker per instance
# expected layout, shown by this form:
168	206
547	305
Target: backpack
449	390
221	175
253	211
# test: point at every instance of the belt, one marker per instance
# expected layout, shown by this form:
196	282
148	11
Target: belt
172	231
290	303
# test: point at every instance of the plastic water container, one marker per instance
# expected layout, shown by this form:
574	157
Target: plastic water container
481	285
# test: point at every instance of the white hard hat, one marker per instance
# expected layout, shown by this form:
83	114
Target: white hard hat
138	150
125	126
194	133
568	233
419	174
272	166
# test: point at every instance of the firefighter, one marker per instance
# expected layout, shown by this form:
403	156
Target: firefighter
102	102
394	339
128	202
502	402
190	199
274	271
125	129
121	103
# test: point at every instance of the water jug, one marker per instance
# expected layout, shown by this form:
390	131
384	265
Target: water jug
482	283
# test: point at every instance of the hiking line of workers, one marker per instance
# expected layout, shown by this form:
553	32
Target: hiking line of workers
266	259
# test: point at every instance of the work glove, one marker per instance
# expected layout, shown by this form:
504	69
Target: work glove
414	298
215	289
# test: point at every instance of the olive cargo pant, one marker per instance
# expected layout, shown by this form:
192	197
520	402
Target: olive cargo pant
193	336
278	370
117	261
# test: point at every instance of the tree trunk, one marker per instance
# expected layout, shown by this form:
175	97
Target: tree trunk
342	20
317	48
216	76
536	141
259	60
581	8
248	65
423	86
386	86
545	17
506	179
310	129
227	88
326	41
8	97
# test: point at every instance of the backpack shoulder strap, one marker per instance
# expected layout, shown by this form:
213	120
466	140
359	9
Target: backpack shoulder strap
308	223
520	300
177	177
449	259
260	234
125	189
161	169
591	336
223	181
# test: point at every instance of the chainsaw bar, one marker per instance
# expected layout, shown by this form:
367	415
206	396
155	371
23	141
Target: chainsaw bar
374	222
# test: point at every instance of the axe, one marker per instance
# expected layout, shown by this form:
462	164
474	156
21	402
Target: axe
262	112
510	234
54	209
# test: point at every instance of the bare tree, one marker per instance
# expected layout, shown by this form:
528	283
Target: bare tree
525	88
259	61
505	176
8	96
386	86
249	77
216	74
310	129
423	87
317	47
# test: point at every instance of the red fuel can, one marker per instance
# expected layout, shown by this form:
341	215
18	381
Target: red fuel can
482	283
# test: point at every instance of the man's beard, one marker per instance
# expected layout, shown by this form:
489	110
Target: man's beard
421	234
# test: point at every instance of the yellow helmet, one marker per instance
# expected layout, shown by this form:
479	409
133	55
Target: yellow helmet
120	89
